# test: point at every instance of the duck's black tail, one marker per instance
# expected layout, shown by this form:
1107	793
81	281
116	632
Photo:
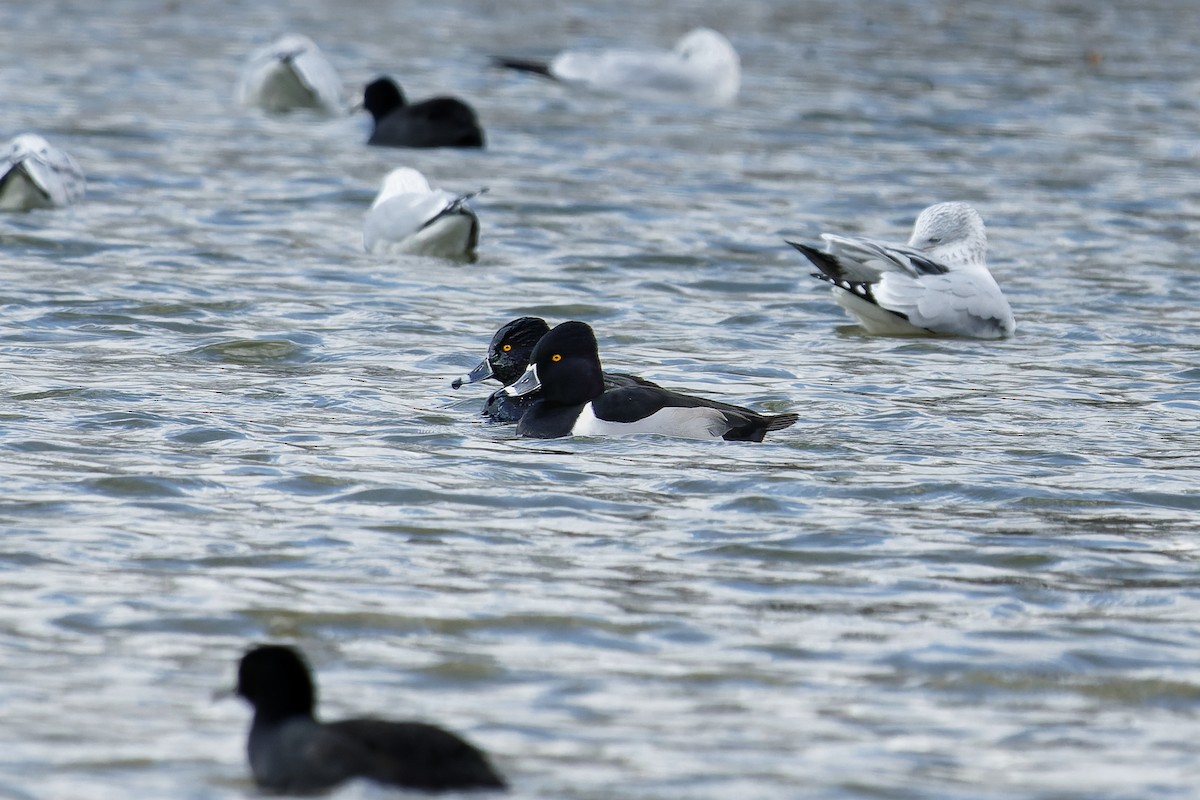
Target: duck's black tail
780	421
755	427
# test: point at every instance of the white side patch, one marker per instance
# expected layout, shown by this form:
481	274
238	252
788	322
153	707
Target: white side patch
689	423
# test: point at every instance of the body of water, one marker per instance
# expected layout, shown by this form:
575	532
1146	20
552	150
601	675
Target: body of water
970	570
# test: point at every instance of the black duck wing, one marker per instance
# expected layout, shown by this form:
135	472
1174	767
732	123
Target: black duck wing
439	122
421	756
633	403
620	380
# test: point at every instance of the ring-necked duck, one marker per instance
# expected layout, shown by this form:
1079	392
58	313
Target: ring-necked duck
565	367
507	357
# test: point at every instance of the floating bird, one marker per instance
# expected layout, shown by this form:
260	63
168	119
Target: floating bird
702	68
36	174
437	122
409	216
565	367
507	358
939	283
290	751
291	73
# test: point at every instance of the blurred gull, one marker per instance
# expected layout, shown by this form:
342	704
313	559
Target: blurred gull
938	283
288	74
703	67
409	216
35	174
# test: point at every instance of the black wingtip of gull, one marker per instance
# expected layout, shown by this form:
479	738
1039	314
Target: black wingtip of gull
826	262
523	65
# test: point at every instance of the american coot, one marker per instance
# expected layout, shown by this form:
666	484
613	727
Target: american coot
565	366
938	283
437	122
290	751
702	68
409	216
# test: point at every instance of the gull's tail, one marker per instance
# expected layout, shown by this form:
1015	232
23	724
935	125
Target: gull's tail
523	65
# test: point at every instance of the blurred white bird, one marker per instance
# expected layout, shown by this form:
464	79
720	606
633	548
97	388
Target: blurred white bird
703	68
36	174
288	74
938	283
409	216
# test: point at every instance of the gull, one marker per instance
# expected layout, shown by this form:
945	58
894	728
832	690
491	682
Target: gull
938	283
409	216
703	67
36	174
288	74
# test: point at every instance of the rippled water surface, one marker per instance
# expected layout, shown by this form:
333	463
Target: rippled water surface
970	570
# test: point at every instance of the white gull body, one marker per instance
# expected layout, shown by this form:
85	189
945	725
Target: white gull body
703	67
410	217
36	174
938	283
291	73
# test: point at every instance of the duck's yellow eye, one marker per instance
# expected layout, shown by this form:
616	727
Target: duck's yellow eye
556	357
506	348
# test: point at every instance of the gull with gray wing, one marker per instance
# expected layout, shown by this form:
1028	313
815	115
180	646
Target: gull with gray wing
703	68
288	74
409	216
36	174
938	283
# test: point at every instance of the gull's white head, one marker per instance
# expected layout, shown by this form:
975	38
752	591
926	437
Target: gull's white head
26	145
290	45
711	53
402	180
952	233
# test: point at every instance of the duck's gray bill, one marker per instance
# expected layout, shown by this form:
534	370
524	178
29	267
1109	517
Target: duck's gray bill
480	373
526	383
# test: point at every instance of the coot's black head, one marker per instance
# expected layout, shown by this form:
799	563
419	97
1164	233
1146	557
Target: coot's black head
275	679
509	352
566	365
381	97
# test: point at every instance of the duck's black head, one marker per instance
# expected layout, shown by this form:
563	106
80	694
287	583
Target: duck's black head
566	365
382	96
508	353
275	679
512	347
